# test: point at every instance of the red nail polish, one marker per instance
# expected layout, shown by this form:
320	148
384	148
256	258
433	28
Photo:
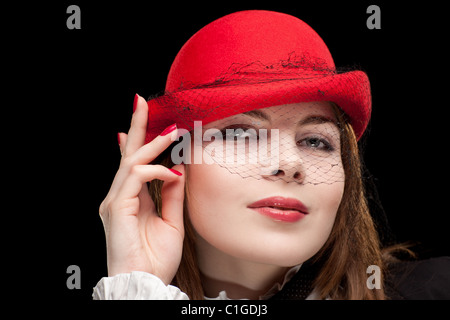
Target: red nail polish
136	97
168	130
178	173
118	137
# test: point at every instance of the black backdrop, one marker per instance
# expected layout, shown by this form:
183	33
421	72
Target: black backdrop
79	86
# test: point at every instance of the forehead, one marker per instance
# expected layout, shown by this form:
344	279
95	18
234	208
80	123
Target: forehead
288	114
295	111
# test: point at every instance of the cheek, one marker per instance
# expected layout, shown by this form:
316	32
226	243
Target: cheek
211	190
326	202
329	197
217	210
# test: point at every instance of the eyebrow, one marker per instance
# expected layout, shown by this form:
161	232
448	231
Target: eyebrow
258	114
316	119
313	119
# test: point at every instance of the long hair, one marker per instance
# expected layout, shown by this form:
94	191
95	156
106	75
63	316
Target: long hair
352	246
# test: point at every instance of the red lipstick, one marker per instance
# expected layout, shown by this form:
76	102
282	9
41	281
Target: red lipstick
280	208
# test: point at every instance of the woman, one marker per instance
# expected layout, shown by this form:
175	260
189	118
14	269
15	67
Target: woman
262	197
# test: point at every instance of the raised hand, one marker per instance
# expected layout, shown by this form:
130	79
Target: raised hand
137	238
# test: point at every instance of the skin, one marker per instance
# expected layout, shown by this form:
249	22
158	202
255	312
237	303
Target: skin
239	250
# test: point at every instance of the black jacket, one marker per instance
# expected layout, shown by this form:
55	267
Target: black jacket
407	280
419	280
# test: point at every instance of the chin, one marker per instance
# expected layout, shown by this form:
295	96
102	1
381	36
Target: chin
286	258
276	253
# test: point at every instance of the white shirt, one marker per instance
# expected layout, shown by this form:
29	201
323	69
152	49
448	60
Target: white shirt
139	285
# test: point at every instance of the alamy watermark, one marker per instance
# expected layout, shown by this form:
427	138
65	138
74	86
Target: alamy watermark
374	20
374	280
74	20
228	147
74	280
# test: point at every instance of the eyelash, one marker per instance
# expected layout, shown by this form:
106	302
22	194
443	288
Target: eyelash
326	145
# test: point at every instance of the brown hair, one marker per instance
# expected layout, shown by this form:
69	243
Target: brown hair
352	246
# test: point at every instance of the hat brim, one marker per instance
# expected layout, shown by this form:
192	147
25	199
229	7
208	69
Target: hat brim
350	91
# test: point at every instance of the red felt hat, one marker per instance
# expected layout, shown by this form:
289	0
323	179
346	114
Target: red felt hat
251	60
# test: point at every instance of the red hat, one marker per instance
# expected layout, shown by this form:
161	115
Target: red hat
251	60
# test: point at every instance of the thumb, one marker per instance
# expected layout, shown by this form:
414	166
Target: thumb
172	196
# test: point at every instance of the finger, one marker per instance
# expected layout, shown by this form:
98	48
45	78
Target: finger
140	174
154	148
146	205
142	157
138	128
172	195
122	139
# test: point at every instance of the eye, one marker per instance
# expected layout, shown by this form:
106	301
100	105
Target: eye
316	143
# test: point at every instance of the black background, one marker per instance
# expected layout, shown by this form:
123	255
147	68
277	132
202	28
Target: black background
77	89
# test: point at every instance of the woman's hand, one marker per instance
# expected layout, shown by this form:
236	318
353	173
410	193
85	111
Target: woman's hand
137	238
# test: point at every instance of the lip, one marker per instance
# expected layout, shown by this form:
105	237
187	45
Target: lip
280	208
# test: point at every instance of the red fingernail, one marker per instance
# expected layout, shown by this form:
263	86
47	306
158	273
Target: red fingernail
178	173
168	130
136	97
118	137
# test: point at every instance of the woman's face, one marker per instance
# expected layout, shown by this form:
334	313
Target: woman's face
277	212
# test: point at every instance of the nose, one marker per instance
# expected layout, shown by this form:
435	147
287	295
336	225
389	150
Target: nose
290	166
289	172
282	173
